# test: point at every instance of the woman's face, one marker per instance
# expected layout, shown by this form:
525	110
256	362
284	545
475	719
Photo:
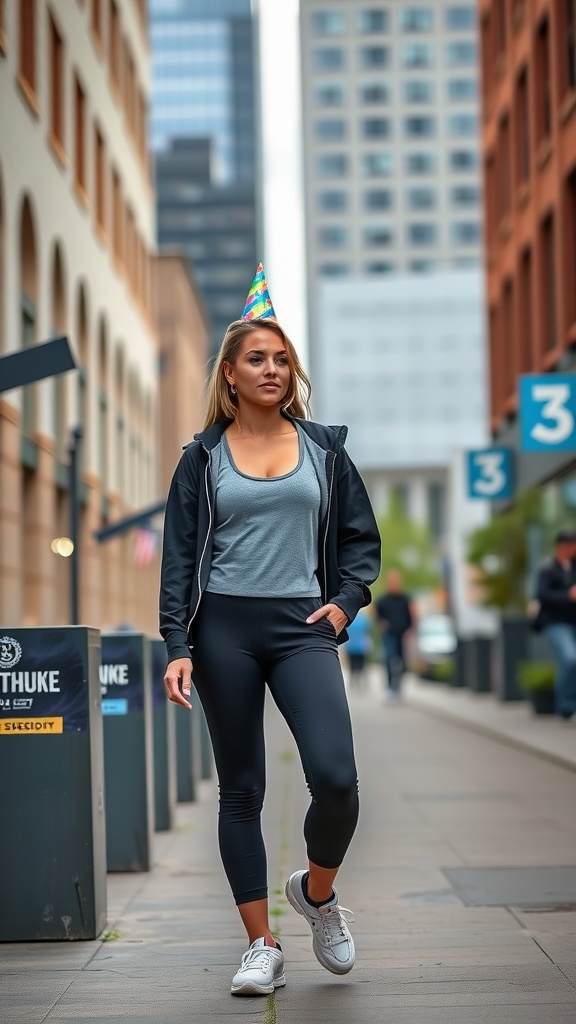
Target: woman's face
261	373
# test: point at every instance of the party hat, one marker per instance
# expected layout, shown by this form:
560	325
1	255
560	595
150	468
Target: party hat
258	304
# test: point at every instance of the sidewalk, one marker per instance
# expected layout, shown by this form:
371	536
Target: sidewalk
434	796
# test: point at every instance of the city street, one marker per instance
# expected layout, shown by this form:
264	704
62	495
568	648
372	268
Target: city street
436	796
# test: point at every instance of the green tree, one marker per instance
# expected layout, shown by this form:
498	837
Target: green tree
406	546
499	551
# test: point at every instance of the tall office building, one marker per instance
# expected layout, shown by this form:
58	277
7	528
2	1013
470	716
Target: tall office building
391	136
203	135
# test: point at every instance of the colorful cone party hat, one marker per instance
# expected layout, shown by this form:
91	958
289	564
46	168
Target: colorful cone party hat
258	304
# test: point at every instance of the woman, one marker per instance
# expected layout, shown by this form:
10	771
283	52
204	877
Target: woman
270	544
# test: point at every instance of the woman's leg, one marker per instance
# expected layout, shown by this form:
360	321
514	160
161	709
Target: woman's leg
309	690
230	684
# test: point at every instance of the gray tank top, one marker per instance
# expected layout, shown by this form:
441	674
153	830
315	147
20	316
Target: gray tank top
266	531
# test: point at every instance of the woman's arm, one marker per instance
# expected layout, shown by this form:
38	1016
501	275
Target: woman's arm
358	540
178	559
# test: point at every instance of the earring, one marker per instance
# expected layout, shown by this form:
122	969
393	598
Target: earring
232	389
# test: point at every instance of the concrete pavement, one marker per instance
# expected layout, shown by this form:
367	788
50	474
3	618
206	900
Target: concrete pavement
434	796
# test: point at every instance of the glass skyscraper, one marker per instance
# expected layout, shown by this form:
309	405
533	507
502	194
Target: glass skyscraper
202	131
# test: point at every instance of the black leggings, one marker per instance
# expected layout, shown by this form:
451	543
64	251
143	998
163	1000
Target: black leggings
240	644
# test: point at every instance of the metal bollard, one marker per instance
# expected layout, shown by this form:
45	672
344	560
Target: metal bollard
128	759
53	848
164	729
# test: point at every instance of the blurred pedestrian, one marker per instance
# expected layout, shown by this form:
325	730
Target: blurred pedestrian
556	617
357	649
395	618
270	545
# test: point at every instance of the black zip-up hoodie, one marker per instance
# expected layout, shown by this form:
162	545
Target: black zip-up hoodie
349	542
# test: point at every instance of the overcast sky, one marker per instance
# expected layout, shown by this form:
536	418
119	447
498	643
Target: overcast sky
282	168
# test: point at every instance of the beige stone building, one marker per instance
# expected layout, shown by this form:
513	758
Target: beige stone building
76	236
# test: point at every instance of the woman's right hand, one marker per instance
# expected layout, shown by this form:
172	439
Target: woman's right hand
177	681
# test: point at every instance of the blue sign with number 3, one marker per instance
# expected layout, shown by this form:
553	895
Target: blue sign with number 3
548	412
490	473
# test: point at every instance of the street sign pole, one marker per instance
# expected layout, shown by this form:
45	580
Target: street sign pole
75	454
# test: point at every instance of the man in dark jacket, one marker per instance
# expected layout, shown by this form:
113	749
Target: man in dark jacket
395	617
556	592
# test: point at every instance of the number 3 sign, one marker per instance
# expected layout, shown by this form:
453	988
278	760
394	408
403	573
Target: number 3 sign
548	412
490	473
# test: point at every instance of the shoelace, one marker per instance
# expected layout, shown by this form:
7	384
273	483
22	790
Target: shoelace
332	924
262	953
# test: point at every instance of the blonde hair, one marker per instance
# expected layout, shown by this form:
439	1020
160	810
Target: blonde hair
221	405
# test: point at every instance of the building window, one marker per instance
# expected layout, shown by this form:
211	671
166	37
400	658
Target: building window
374	92
373	20
114	44
503	167
463	160
379	267
543	84
417	19
334	269
332	201
79	136
332	236
462	124
436	502
2	26
421	198
374	56
525	310
461	53
329	94
328	58
421	234
491	196
460	18
522	122
462	89
27	26
422	266
418	91
569	46
378	199
56	87
378	235
377	165
117	217
501	26
96	21
332	165
416	55
328	23
329	129
465	233
420	163
509	347
100	179
548	281
419	127
464	195
375	128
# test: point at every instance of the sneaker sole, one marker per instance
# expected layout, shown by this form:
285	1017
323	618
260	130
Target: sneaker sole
345	969
251	988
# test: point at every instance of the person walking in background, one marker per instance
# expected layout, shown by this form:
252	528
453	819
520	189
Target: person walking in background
357	649
395	618
270	545
556	594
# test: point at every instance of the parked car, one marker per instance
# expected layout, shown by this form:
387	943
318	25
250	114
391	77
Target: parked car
435	644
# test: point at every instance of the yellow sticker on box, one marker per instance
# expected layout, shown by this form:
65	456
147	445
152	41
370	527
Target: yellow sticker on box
34	726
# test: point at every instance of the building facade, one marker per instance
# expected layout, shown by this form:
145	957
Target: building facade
204	137
76	235
392	174
529	153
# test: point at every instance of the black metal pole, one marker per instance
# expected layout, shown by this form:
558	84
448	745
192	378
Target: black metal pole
75	450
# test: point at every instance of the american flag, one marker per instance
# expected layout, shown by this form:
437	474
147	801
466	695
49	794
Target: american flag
145	545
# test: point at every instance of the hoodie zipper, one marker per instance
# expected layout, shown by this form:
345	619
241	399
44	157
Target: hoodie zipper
327	525
206	474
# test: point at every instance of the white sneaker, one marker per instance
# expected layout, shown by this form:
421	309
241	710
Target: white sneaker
261	970
331	942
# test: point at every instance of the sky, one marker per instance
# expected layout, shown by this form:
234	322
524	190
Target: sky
283	198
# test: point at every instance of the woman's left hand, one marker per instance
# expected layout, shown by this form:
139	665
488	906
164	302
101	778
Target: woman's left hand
333	613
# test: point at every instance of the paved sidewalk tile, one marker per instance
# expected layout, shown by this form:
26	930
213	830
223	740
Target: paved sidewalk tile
434	796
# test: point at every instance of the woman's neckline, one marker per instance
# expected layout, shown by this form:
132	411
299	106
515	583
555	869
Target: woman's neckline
282	476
